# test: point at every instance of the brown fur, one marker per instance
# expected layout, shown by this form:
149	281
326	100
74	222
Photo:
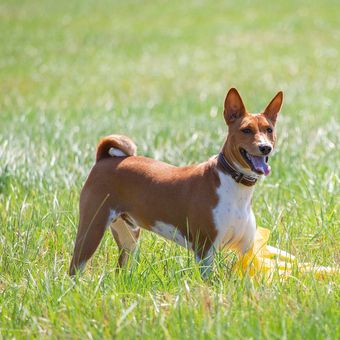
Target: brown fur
237	118
146	190
162	195
120	142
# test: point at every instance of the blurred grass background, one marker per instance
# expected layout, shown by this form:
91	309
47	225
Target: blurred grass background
158	71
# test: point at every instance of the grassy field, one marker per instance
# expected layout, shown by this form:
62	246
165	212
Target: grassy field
158	71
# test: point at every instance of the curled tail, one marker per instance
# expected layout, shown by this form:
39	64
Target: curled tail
115	146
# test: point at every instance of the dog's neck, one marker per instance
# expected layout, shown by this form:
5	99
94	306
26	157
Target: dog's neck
229	164
237	175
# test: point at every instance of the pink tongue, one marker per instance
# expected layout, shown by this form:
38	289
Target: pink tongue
260	164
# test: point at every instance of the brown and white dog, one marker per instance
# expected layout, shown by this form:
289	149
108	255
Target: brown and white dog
202	207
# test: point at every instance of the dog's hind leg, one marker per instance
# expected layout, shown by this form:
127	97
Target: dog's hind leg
126	235
95	216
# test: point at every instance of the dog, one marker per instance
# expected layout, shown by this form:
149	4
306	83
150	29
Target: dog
202	207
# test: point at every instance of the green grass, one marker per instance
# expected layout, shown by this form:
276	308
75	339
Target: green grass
71	72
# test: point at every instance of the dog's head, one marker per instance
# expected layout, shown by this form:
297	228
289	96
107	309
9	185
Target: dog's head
251	138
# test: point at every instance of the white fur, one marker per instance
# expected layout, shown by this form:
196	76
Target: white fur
246	171
82	265
170	232
233	216
112	216
206	262
114	152
264	140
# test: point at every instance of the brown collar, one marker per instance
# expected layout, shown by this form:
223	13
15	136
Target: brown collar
239	177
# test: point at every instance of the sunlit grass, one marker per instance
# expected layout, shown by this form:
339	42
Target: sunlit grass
158	72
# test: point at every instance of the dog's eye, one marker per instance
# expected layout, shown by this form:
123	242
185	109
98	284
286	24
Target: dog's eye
247	130
269	130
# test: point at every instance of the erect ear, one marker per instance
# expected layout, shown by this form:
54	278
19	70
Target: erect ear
233	106
274	107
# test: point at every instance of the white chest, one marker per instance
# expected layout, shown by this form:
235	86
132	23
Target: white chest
233	217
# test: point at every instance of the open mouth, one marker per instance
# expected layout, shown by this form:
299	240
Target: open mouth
258	164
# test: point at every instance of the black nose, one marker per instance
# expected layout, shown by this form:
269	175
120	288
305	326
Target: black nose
265	149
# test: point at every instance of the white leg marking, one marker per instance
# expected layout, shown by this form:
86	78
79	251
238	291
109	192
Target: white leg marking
171	233
206	263
112	217
81	266
247	241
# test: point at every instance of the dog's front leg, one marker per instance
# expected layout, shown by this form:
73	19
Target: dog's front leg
205	262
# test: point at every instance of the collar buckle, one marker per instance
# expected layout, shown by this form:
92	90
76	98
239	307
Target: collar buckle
238	177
